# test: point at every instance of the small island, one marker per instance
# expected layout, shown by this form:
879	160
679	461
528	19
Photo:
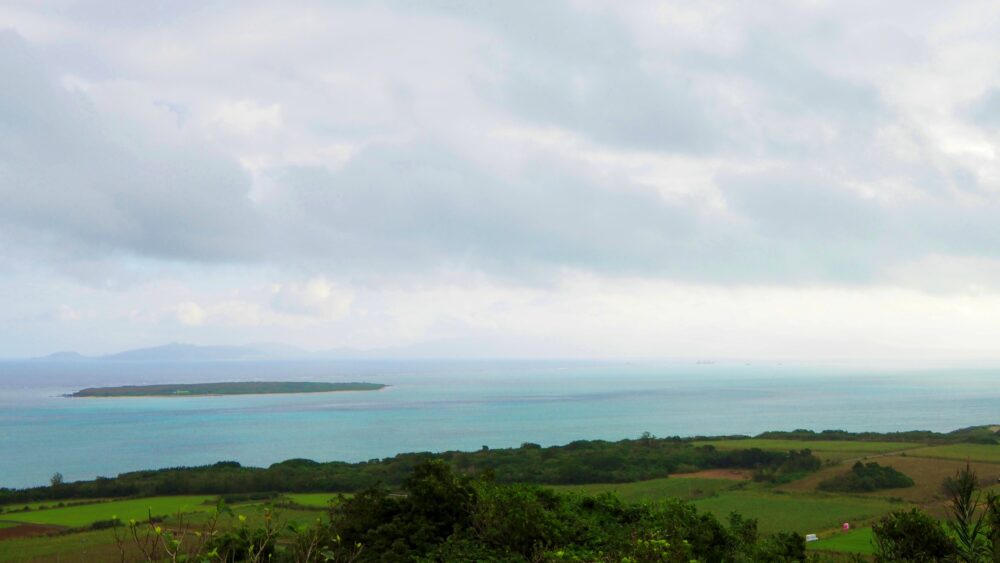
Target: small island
225	388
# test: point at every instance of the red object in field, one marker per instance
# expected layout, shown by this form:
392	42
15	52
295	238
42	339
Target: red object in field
845	527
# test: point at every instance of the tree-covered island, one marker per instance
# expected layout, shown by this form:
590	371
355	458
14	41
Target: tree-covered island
225	388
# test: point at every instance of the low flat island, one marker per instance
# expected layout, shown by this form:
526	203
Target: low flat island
226	388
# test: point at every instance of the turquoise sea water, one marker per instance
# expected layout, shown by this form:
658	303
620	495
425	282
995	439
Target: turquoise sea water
436	406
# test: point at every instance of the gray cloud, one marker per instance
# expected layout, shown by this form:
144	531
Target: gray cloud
582	71
790	119
421	207
986	110
86	183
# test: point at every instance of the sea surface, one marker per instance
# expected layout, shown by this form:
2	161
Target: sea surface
438	406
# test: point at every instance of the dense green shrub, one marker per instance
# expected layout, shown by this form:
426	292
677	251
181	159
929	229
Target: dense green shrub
866	477
970	435
443	516
911	536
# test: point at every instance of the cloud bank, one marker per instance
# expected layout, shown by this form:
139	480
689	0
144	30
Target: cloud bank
268	167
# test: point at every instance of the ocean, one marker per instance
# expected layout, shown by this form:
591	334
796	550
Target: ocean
445	405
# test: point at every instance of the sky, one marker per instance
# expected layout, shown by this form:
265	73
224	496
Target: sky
802	180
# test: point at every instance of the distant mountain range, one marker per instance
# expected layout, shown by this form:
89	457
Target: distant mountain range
180	352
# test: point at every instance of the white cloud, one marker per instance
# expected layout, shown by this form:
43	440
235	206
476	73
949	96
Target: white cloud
248	117
190	313
316	297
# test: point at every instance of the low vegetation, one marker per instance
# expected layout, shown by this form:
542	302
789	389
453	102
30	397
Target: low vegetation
865	478
972	435
444	516
533	504
971	534
579	462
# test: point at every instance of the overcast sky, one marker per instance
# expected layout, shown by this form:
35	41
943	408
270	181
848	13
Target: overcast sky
800	180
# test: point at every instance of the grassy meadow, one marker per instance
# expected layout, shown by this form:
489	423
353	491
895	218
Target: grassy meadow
87	514
834	450
100	545
803	513
854	541
962	452
318	500
687	488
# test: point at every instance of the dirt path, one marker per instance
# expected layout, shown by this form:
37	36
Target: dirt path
726	474
27	531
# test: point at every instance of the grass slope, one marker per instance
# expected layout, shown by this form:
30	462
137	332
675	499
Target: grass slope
927	473
855	541
827	449
84	515
99	545
321	500
962	452
84	547
803	513
656	489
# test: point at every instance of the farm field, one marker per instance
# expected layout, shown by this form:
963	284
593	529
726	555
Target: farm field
84	515
319	500
796	506
835	450
855	541
803	513
927	473
83	547
47	504
100	545
656	489
962	452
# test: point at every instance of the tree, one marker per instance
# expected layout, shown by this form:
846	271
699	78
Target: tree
56	479
912	537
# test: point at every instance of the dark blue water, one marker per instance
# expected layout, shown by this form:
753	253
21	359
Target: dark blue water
435	406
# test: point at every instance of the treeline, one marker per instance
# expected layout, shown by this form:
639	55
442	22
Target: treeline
446	516
593	461
970	435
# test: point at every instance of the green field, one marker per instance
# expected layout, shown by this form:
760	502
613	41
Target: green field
84	515
47	504
961	452
801	513
312	499
7	524
828	449
99	545
656	489
84	547
855	541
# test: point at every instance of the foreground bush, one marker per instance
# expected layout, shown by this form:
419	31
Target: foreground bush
447	517
972	533
911	536
441	516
